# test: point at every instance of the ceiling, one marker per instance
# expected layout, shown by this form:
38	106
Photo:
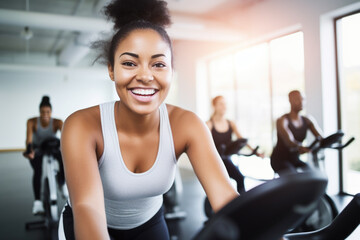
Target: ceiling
63	28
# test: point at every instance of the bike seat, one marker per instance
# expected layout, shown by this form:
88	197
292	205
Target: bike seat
50	145
267	211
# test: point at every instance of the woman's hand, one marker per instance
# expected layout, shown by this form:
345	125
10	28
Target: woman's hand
29	155
29	152
262	155
303	150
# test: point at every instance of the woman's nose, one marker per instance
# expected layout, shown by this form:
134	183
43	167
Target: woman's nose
145	75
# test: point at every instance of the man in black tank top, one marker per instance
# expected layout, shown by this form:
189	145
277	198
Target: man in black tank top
291	132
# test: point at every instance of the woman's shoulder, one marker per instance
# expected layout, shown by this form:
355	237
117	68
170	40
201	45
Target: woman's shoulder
32	120
231	122
86	118
183	120
178	113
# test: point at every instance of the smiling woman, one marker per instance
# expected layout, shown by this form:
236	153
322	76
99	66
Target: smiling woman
145	57
120	156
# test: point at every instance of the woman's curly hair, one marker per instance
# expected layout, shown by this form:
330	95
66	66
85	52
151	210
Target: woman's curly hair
129	15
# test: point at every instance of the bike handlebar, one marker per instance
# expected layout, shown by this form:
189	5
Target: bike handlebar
344	145
332	142
254	152
50	145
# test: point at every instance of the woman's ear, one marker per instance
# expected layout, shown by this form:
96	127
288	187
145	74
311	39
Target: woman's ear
111	72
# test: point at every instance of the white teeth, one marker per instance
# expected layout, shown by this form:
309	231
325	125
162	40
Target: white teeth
144	92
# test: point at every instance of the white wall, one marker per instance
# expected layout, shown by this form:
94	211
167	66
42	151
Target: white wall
70	90
187	54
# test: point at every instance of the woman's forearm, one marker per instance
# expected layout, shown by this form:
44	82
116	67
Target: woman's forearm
89	223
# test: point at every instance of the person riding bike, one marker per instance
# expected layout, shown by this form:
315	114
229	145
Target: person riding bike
39	129
222	130
291	132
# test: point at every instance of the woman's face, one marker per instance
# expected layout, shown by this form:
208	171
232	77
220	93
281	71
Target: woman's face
142	70
45	114
220	106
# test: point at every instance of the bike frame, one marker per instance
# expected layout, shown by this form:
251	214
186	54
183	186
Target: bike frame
50	170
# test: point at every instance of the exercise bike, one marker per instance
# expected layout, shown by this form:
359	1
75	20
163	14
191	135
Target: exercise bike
49	195
326	211
171	200
232	149
268	211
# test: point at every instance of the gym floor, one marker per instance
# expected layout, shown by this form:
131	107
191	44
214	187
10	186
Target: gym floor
16	200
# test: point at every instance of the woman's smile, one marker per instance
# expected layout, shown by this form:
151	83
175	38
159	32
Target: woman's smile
143	94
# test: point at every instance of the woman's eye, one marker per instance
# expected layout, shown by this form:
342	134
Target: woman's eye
159	65
128	64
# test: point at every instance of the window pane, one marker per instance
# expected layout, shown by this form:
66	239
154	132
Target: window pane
349	69
287	70
221	74
253	96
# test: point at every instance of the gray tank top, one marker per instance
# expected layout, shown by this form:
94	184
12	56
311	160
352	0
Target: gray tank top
42	133
131	199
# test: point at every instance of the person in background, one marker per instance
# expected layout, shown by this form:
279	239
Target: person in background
37	130
222	130
291	129
120	157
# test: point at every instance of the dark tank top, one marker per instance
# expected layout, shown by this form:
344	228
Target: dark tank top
281	150
221	139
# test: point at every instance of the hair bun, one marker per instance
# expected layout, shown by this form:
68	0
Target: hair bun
122	12
45	99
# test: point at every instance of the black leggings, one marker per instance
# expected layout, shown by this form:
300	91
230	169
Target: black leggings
36	164
155	228
290	164
235	174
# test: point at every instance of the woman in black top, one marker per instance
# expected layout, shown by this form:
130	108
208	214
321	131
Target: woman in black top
222	131
291	132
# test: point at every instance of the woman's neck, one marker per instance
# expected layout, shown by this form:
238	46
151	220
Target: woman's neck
44	123
135	123
218	117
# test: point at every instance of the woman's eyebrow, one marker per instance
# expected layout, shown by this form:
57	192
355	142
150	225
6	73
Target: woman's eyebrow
158	55
130	54
137	56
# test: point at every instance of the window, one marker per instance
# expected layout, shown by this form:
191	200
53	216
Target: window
253	95
221	76
348	51
256	81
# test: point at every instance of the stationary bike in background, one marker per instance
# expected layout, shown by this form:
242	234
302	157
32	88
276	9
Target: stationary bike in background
232	149
49	193
326	211
172	200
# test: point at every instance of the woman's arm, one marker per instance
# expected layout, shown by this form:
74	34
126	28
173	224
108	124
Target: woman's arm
78	147
192	134
29	152
235	130
239	136
58	125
